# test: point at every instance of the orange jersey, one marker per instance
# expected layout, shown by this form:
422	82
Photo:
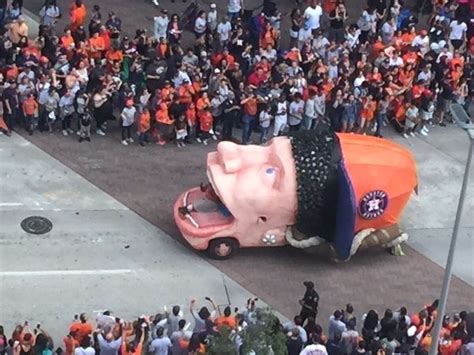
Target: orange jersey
144	122
81	329
78	16
368	110
67	41
224	321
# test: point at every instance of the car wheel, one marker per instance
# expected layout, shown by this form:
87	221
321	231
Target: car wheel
223	248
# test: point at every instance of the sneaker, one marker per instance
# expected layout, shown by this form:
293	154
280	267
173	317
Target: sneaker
156	3
405	136
425	129
424	133
70	130
214	137
142	144
78	133
81	139
100	132
130	140
124	142
205	142
442	124
199	140
161	142
88	139
65	132
412	134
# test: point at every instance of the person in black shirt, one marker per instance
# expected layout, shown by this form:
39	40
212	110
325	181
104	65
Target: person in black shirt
11	105
294	344
309	303
337	18
230	115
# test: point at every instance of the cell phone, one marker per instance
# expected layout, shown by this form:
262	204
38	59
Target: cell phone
76	316
38	325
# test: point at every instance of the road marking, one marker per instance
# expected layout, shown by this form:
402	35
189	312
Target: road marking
10	204
65	272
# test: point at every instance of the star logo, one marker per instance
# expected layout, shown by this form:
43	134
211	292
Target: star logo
373	204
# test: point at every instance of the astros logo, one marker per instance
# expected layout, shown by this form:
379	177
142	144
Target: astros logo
373	204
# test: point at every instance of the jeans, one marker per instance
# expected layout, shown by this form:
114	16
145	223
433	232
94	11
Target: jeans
227	127
380	119
66	122
294	128
143	137
307	123
126	132
248	122
264	134
29	123
11	118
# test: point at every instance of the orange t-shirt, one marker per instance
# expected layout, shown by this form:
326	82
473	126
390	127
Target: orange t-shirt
250	107
368	110
144	122
224	321
114	56
202	103
162	116
81	329
183	344
205	121
67	41
69	345
96	46
106	38
191	115
30	106
78	16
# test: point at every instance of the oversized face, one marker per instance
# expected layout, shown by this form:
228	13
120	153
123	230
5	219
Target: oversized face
256	183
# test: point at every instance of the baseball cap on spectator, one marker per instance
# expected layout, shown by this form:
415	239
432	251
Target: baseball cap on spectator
213	6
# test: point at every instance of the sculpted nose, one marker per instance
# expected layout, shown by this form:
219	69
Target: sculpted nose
230	156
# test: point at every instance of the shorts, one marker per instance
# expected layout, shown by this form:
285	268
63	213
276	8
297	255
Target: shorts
409	124
426	115
443	105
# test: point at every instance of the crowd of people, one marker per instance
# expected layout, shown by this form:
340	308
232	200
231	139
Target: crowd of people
232	332
239	72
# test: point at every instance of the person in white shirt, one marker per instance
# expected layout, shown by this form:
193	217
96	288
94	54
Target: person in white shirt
281	116
422	41
396	60
212	18
234	7
457	34
128	118
314	349
161	25
224	29
312	15
264	120
200	24
49	15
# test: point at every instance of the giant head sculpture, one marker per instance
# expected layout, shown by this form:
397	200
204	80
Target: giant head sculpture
320	191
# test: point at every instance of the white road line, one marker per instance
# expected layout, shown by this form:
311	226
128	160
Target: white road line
10	204
65	272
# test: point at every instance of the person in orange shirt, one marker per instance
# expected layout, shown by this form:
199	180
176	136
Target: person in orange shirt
70	343
226	320
78	15
164	122
411	56
132	347
82	328
144	127
30	111
205	125
114	55
367	114
203	102
193	346
96	46
67	41
191	120
269	36
186	92
105	35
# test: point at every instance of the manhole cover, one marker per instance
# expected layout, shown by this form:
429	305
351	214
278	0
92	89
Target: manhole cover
36	225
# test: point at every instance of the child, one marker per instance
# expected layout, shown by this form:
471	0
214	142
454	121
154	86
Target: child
164	123
82	101
411	120
30	110
191	121
205	124
181	131
144	127
128	118
264	121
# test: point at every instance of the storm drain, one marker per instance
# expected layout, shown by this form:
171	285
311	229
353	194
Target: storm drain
36	225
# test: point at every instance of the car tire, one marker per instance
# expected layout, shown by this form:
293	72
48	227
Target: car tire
222	248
